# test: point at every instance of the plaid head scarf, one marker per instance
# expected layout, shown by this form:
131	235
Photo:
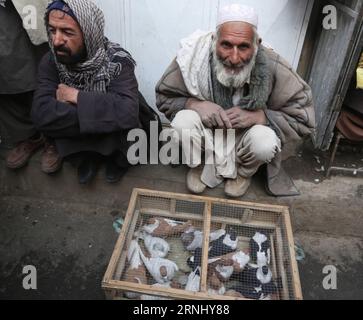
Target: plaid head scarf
96	73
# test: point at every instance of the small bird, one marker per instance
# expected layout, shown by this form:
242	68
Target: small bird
264	275
239	258
157	247
162	227
136	272
162	270
260	244
187	237
269	286
215	283
269	289
222	268
193	283
223	271
223	245
193	238
257	283
249	277
196	240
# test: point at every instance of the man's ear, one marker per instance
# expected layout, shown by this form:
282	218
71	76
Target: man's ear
259	40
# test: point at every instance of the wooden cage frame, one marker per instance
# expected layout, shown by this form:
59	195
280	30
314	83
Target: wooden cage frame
118	259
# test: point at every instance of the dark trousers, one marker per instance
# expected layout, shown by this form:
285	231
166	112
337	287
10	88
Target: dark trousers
15	121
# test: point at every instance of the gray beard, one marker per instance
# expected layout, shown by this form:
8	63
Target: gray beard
231	80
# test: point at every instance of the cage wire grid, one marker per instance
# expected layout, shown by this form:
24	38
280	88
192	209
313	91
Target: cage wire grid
180	247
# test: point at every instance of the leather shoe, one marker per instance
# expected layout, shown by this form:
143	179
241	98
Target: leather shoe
20	155
51	161
87	170
236	188
114	173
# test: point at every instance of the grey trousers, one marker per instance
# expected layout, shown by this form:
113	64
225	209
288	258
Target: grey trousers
15	121
242	155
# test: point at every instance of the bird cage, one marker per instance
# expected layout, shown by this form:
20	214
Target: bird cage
179	246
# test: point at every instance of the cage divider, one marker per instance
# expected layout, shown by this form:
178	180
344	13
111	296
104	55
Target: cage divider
280	260
273	260
205	249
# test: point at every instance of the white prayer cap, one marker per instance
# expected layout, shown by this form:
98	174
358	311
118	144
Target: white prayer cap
237	12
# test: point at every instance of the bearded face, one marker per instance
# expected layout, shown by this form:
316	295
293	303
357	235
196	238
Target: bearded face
67	38
234	53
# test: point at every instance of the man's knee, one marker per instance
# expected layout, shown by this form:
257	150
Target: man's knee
186	119
264	143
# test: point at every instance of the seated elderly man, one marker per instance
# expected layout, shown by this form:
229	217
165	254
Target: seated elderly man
229	80
87	97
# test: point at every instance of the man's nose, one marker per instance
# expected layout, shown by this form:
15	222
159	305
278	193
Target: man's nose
234	57
58	39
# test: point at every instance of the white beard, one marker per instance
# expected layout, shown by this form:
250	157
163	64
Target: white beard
233	80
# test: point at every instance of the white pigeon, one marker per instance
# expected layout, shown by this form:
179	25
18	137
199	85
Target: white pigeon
162	227
193	283
241	259
264	278
198	238
225	271
150	228
157	247
197	241
162	270
215	235
260	238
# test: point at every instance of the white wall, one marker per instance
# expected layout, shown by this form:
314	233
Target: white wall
151	29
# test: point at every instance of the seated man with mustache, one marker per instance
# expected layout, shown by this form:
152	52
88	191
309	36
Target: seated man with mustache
87	97
228	80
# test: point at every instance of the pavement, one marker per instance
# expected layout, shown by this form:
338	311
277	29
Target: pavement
66	230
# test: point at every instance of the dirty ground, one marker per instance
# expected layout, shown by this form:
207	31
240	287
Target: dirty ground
66	230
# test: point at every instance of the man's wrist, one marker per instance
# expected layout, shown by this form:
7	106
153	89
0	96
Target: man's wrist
75	96
192	104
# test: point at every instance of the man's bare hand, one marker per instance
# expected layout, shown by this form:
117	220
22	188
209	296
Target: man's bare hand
242	119
67	94
212	115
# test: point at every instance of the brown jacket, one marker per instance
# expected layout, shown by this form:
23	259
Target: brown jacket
290	112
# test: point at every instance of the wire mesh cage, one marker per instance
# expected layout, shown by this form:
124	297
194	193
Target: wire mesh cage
176	246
